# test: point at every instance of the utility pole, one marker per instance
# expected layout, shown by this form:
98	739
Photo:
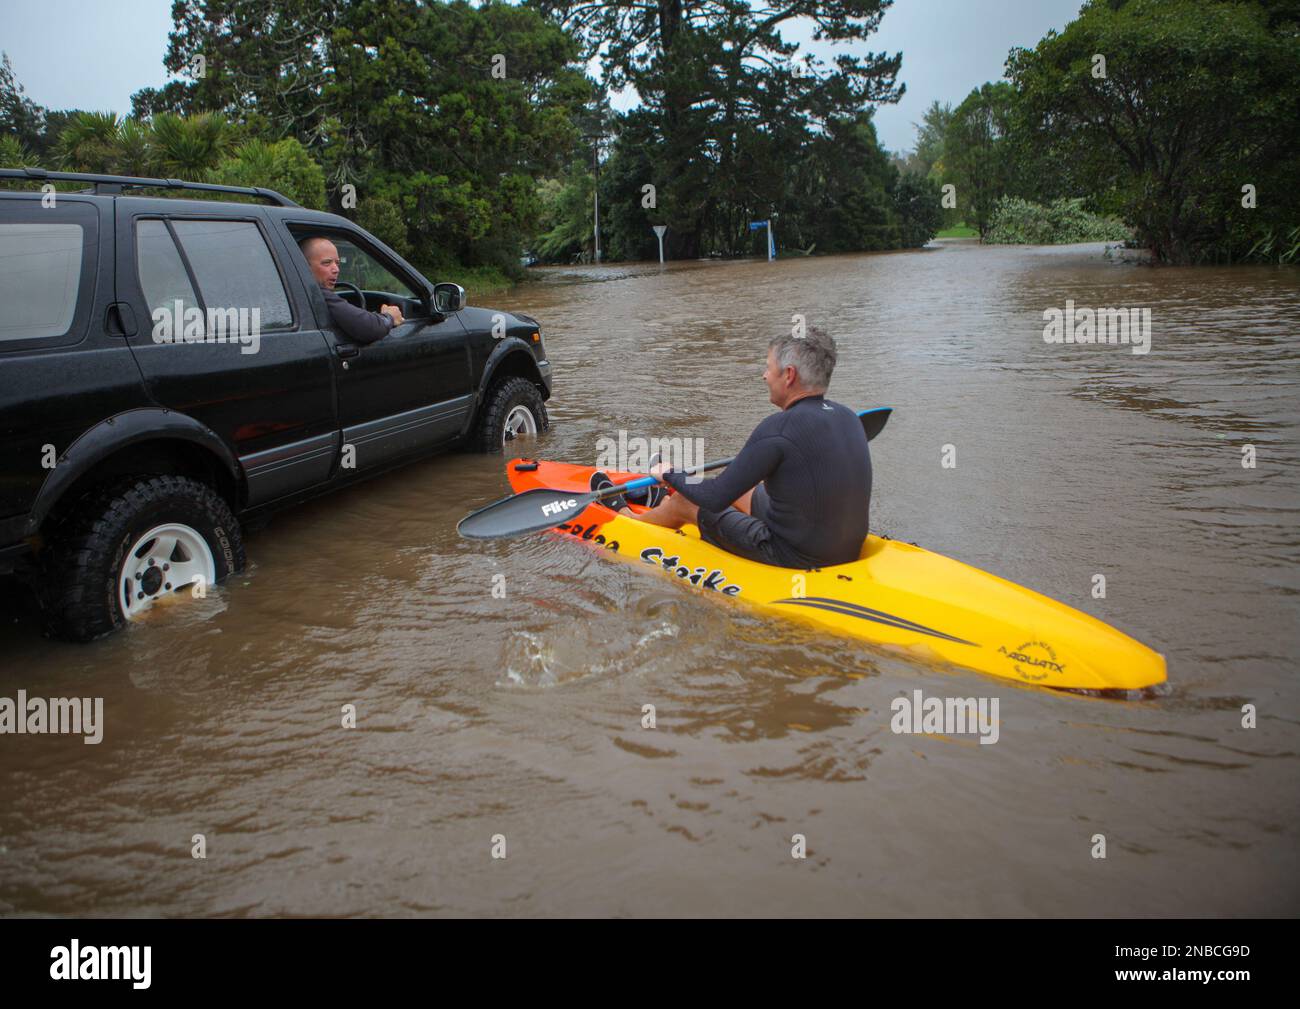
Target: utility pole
596	191
597	195
596	139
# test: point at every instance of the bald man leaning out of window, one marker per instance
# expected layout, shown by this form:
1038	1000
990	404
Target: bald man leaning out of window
356	323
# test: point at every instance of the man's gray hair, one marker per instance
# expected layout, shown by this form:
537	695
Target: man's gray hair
811	356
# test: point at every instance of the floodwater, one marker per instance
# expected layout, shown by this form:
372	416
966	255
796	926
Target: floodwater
480	716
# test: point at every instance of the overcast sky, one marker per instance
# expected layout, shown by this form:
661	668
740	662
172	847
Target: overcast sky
93	54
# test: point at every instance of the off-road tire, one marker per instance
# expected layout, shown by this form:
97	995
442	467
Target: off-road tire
501	399
78	569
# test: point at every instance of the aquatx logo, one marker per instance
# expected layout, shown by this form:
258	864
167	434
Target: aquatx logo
34	716
178	324
946	716
1038	656
633	454
1104	325
75	962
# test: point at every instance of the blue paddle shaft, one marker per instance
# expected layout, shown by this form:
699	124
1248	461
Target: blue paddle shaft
646	481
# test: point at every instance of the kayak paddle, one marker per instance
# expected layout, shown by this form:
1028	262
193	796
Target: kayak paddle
873	421
536	510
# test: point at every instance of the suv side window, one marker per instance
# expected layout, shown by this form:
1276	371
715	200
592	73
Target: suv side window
235	269
162	273
40	278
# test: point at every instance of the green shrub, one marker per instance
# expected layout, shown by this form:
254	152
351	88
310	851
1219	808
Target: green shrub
479	281
1062	222
285	166
15	154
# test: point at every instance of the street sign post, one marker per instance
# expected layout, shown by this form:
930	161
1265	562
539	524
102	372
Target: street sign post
659	230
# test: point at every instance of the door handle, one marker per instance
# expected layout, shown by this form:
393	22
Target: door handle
346	349
119	320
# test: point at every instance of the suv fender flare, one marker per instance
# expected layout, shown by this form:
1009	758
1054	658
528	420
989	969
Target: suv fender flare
116	433
506	349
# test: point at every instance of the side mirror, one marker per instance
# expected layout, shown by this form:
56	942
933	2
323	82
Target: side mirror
448	298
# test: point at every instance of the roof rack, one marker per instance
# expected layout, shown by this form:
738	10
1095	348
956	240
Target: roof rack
114	184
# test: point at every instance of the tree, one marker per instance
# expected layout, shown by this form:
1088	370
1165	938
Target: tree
284	166
975	151
15	154
853	208
718	83
188	147
566	218
88	143
169	145
917	204
1198	98
930	133
446	111
263	63
634	163
20	117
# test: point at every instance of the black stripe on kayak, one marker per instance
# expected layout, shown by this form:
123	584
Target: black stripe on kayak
875	616
868	611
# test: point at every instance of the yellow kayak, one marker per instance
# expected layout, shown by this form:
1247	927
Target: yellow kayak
896	594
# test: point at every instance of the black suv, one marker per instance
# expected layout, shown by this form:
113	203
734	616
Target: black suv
168	368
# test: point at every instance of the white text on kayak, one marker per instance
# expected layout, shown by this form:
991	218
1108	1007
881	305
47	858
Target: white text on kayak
946	716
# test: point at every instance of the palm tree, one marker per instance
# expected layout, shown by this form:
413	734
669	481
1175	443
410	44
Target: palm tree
134	149
188	148
13	154
88	143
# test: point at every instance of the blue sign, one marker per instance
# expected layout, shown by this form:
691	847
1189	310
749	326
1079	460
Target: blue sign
755	225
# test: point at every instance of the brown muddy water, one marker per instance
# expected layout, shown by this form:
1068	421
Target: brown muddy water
480	716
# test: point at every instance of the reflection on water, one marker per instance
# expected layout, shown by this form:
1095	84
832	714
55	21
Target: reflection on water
477	715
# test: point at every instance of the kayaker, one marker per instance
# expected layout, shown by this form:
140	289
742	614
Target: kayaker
799	492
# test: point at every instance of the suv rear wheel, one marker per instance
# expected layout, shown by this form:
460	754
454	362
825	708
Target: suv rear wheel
514	409
130	544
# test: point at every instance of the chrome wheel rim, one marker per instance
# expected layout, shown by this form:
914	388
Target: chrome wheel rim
165	560
519	422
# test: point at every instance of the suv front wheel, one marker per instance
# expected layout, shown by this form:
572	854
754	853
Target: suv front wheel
130	545
513	409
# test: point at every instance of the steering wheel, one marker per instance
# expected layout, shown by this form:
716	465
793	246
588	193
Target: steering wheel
361	298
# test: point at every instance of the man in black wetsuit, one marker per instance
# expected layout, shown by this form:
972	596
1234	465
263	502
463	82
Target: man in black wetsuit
798	494
356	323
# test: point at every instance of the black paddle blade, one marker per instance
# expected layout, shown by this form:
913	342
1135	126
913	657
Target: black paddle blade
873	421
530	512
